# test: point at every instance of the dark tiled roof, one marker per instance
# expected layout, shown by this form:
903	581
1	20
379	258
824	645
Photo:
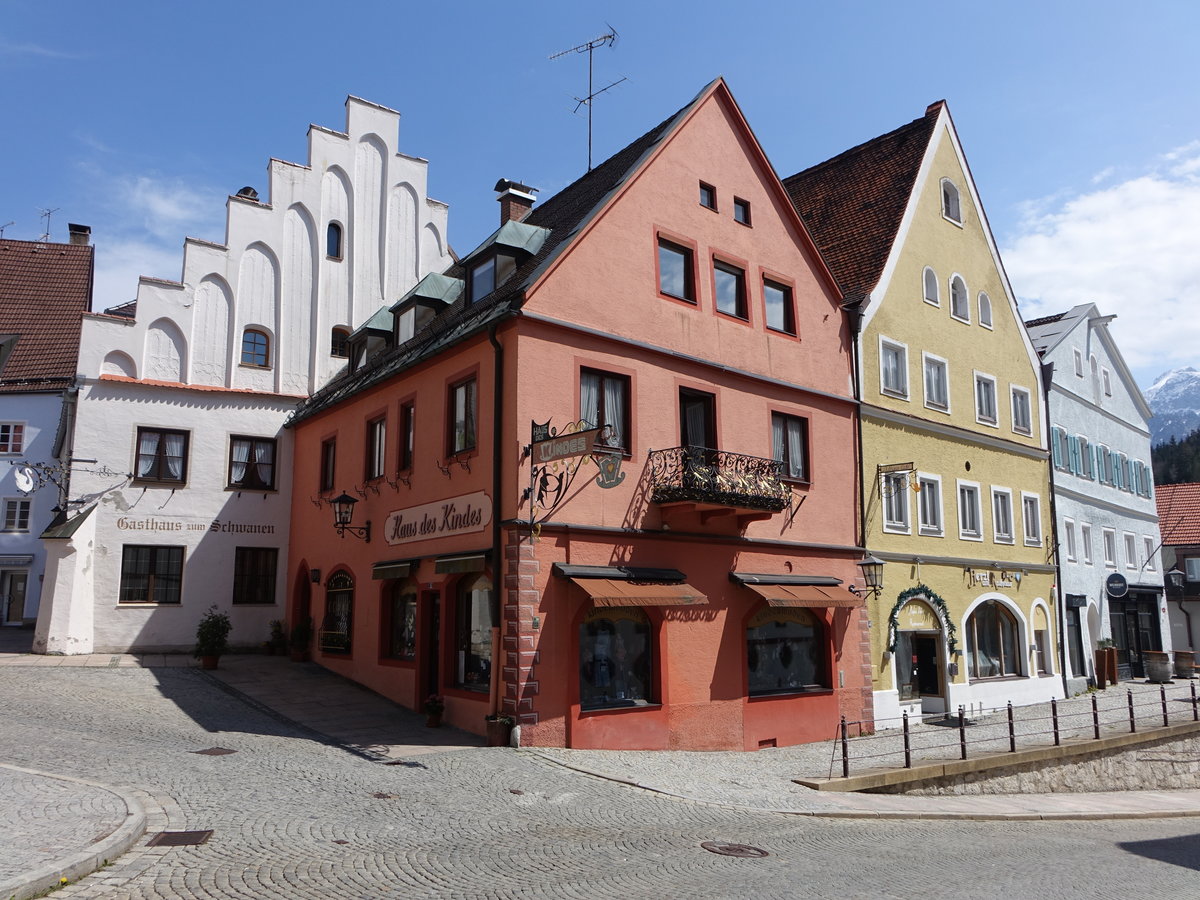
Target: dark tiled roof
1044	320
854	202
564	215
44	291
1178	512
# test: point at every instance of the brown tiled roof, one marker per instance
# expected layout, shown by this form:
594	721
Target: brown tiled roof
854	202
44	290
1178	512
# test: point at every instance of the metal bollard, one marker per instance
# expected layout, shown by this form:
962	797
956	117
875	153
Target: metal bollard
1162	691
1012	732
1054	719
907	744
845	751
1132	719
1095	717
962	730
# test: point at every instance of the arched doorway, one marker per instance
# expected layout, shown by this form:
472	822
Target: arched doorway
919	654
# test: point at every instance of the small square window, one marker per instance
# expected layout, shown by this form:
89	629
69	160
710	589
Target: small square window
781	312
254	574
741	210
12	437
730	288
675	271
251	463
161	455
708	196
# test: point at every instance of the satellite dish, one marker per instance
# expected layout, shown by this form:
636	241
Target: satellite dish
24	477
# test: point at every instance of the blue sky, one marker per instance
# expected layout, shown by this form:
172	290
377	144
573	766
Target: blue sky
1079	120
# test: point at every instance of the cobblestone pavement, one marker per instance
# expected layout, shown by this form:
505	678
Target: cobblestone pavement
296	817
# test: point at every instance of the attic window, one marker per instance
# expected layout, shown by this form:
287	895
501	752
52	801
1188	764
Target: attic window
339	342
708	196
741	210
951	208
490	274
985	310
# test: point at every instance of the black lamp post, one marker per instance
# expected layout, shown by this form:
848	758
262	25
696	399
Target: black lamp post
872	569
343	513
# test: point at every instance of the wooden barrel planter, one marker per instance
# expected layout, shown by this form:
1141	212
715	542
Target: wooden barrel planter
1158	666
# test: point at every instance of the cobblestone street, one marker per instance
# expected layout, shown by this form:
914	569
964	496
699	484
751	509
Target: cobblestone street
293	816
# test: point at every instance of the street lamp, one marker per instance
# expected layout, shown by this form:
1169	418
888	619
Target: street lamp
1175	579
872	569
343	513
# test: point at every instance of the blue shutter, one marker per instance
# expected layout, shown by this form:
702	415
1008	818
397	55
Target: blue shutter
1055	448
1073	454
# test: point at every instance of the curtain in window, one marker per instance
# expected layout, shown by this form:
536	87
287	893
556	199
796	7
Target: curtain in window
614	410
240	457
694	420
795	438
589	398
147	450
777	438
174	453
264	460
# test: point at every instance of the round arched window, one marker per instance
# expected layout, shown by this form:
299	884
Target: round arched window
256	348
333	241
992	642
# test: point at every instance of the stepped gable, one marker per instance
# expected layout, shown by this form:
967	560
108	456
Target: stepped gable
853	203
44	290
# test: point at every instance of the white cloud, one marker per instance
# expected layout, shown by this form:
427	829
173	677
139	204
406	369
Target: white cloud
10	50
1132	248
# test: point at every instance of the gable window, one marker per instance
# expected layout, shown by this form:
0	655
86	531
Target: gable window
489	274
741	210
256	348
708	196
1031	507
333	241
1022	421
970	518
895	502
16	515
328	460
959	305
408	434
376	459
1131	561
461	418
604	404
400	630
616	658
1107	380
930	504
789	445
1078	362
937	392
1109	536
893	368
1002	524
985	399
1069	539
781	312
785	652
985	310
336	634
252	463
161	455
254	574
930	287
1085	542
150	574
12	437
951	207
676	268
473	634
729	286
992	642
339	342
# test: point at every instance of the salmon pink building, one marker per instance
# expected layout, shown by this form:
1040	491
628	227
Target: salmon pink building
604	468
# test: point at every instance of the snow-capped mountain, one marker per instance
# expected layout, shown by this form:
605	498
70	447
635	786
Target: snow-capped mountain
1175	399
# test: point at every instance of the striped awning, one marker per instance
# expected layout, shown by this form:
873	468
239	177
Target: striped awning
613	592
823	596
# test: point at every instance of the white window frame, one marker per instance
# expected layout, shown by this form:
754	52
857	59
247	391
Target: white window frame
929	279
901	349
962	488
1069	539
951	215
1033	537
12	425
984	301
926	359
1191	568
1106	380
1108	537
998	536
1148	547
1085	540
931	486
1014	390
894	485
1087	461
1078	361
15	504
1131	554
993	422
966	299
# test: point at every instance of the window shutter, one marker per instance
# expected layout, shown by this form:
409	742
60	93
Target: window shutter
1056	448
1073	453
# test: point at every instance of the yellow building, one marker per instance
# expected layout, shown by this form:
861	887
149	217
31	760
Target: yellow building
955	476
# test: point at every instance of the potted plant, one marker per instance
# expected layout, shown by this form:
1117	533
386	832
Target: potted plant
302	633
212	637
277	642
435	705
499	729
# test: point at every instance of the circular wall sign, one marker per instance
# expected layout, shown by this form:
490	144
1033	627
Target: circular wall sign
1117	585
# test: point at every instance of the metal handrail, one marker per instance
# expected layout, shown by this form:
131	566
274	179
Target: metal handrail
705	475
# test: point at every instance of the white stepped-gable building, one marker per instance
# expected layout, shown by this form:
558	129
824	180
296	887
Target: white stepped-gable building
181	486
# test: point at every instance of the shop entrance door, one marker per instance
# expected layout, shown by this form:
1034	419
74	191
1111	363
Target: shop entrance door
1135	630
12	597
919	670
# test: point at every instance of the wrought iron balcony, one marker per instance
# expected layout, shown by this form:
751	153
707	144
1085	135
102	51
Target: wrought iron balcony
716	478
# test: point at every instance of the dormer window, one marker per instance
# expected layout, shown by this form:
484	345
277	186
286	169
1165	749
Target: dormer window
333	241
951	208
488	275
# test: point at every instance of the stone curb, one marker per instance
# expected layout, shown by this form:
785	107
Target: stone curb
84	862
1026	815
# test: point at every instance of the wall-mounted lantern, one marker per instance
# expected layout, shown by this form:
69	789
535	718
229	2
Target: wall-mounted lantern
343	514
872	569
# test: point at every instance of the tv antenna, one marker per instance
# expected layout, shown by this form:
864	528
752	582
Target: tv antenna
608	39
4	226
46	214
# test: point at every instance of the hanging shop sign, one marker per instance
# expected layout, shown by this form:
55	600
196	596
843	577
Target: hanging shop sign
1116	585
466	514
564	446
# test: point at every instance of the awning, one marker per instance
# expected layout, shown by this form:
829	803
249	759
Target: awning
807	595
611	592
393	568
470	562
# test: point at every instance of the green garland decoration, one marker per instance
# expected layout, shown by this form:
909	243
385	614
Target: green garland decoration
939	604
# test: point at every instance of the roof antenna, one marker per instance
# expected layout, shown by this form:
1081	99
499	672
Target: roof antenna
4	226
608	39
46	214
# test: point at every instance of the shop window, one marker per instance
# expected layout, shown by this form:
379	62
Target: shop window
251	463
254	574
161	455
615	658
256	348
400	620
335	634
992	642
473	634
604	404
785	652
461	418
151	574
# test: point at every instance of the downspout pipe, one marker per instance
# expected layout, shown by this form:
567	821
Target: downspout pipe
498	560
854	312
1047	380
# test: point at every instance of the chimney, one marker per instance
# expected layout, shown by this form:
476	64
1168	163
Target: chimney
516	200
80	234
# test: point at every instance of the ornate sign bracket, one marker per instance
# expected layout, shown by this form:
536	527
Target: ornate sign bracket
557	458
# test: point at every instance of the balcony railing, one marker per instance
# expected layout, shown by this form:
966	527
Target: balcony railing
716	477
